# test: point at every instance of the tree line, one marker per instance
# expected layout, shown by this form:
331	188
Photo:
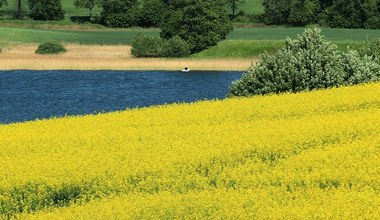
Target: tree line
329	13
114	13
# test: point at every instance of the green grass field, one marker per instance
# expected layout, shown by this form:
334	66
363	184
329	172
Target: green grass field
19	35
280	33
240	49
252	6
241	43
253	48
125	36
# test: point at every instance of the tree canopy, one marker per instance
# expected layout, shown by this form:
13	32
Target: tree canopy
201	23
46	9
119	13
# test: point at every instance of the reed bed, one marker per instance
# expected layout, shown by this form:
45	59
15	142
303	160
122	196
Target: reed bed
95	57
310	155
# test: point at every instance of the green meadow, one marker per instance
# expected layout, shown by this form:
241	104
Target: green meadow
242	42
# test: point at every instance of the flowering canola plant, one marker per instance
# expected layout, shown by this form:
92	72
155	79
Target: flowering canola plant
313	155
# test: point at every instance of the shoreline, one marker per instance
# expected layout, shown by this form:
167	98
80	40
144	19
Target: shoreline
96	57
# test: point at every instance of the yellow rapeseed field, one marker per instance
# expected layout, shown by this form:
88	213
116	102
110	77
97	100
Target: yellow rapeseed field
312	155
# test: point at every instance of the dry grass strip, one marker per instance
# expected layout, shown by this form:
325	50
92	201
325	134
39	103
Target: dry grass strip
95	57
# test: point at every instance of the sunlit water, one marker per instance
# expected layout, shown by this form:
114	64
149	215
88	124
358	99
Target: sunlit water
28	95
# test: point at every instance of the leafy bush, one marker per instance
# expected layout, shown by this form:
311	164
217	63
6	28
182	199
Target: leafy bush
306	63
150	46
372	49
176	47
360	69
146	46
46	10
50	47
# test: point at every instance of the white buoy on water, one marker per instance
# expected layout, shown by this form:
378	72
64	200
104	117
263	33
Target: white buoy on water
186	70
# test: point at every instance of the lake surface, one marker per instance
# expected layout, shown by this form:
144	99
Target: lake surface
27	95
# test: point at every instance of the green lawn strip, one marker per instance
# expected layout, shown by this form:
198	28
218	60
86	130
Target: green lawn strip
124	36
280	33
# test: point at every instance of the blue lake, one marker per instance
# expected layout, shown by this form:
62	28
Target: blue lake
27	95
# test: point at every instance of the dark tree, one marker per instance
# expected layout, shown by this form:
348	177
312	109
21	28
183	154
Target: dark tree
277	11
150	13
19	12
303	12
332	13
201	23
234	4
46	10
350	14
3	2
119	13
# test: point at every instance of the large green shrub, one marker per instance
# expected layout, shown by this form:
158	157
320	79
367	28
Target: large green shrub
46	9
359	69
151	46
176	47
146	46
50	47
307	63
372	49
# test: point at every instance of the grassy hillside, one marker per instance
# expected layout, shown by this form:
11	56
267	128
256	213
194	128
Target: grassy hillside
240	49
253	48
293	156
